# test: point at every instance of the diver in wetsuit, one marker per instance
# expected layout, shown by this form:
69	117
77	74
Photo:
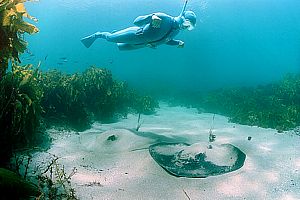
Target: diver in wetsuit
150	31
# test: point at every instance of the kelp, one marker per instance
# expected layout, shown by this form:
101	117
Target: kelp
99	98
14	186
75	100
63	100
20	112
12	27
144	104
106	97
275	105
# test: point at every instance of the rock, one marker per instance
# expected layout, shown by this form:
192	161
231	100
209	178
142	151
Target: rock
12	186
197	160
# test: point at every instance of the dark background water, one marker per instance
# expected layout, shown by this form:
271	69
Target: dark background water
235	42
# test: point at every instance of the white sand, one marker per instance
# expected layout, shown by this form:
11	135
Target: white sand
124	169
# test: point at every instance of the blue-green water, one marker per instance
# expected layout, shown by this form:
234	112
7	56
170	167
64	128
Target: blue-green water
235	42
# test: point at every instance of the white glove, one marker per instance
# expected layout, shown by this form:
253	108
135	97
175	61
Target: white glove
156	21
180	45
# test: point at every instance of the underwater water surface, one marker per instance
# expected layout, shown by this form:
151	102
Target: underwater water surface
235	42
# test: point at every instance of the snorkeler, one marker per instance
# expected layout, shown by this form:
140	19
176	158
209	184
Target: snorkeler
150	31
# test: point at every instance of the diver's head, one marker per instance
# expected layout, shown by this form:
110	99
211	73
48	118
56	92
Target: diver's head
189	20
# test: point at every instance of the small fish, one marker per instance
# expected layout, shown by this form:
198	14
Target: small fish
60	63
111	61
28	58
28	51
46	57
63	59
31	56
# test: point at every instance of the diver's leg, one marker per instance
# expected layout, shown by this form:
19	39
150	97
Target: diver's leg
126	47
89	40
102	35
131	35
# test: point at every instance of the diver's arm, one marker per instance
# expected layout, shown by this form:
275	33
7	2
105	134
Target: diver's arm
178	43
143	20
152	19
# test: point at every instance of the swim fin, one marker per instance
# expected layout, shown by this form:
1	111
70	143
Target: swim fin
89	40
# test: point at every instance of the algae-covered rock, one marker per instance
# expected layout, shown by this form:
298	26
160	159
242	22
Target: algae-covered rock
197	160
13	186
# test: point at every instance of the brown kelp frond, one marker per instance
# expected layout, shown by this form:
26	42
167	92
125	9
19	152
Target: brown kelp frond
275	105
12	26
12	16
94	94
20	104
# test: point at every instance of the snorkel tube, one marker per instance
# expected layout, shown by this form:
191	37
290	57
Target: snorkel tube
183	9
180	18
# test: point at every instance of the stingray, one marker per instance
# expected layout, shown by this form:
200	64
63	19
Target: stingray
198	160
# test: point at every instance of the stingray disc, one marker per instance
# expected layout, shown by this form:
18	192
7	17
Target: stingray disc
197	160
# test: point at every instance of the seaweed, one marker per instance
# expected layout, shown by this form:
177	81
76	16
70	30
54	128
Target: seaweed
104	96
75	100
12	28
275	105
20	112
13	186
54	183
63	100
38	180
144	104
20	108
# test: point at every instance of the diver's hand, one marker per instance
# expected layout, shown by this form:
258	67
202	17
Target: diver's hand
180	45
156	21
152	46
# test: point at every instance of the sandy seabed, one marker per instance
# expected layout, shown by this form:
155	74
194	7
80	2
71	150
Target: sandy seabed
124	169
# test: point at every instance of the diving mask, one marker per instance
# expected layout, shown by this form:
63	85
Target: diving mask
187	24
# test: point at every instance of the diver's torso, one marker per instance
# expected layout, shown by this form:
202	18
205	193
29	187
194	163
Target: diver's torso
167	30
